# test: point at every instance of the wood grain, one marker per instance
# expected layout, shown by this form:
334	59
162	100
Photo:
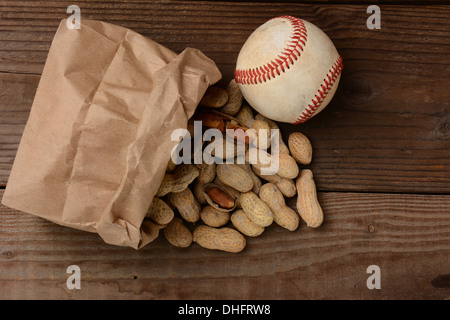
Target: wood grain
16	97
386	130
220	28
407	236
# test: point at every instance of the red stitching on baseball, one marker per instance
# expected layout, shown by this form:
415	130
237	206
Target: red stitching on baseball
325	87
282	62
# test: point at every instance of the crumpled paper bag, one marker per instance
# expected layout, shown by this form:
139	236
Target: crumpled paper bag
97	141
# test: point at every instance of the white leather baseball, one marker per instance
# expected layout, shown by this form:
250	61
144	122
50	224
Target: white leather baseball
288	69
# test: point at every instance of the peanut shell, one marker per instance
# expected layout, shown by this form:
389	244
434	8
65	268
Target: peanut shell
198	190
219	198
300	147
188	207
287	167
160	212
234	176
242	223
183	175
286	186
307	203
245	115
207	173
177	234
235	99
214	97
224	239
283	148
213	217
260	134
256	180
229	190
256	209
282	214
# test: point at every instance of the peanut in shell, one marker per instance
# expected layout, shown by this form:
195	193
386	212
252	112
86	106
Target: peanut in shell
183	175
256	209
213	217
234	176
214	97
235	99
300	147
282	214
224	239
283	148
286	186
160	212
307	203
177	234
187	205
242	223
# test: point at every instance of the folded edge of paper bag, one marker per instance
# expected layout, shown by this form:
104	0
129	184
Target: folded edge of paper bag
189	74
86	140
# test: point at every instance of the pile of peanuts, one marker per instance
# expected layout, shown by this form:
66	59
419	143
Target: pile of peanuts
218	205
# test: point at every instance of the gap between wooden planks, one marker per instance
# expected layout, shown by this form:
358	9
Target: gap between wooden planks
407	236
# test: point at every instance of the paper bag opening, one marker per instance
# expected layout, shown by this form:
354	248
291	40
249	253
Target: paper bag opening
98	139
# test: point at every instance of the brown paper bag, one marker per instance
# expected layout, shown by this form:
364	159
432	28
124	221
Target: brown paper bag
97	142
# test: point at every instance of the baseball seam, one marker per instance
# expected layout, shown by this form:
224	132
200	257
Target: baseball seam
322	92
282	62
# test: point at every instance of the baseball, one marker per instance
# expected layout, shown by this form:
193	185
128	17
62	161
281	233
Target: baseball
288	69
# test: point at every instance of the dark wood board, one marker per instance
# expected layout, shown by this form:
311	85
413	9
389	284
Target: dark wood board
386	130
407	236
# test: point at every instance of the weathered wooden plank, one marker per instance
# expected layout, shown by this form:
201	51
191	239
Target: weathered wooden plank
407	236
353	150
16	96
220	28
387	129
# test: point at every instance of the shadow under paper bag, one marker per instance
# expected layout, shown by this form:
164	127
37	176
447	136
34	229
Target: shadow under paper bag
97	142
